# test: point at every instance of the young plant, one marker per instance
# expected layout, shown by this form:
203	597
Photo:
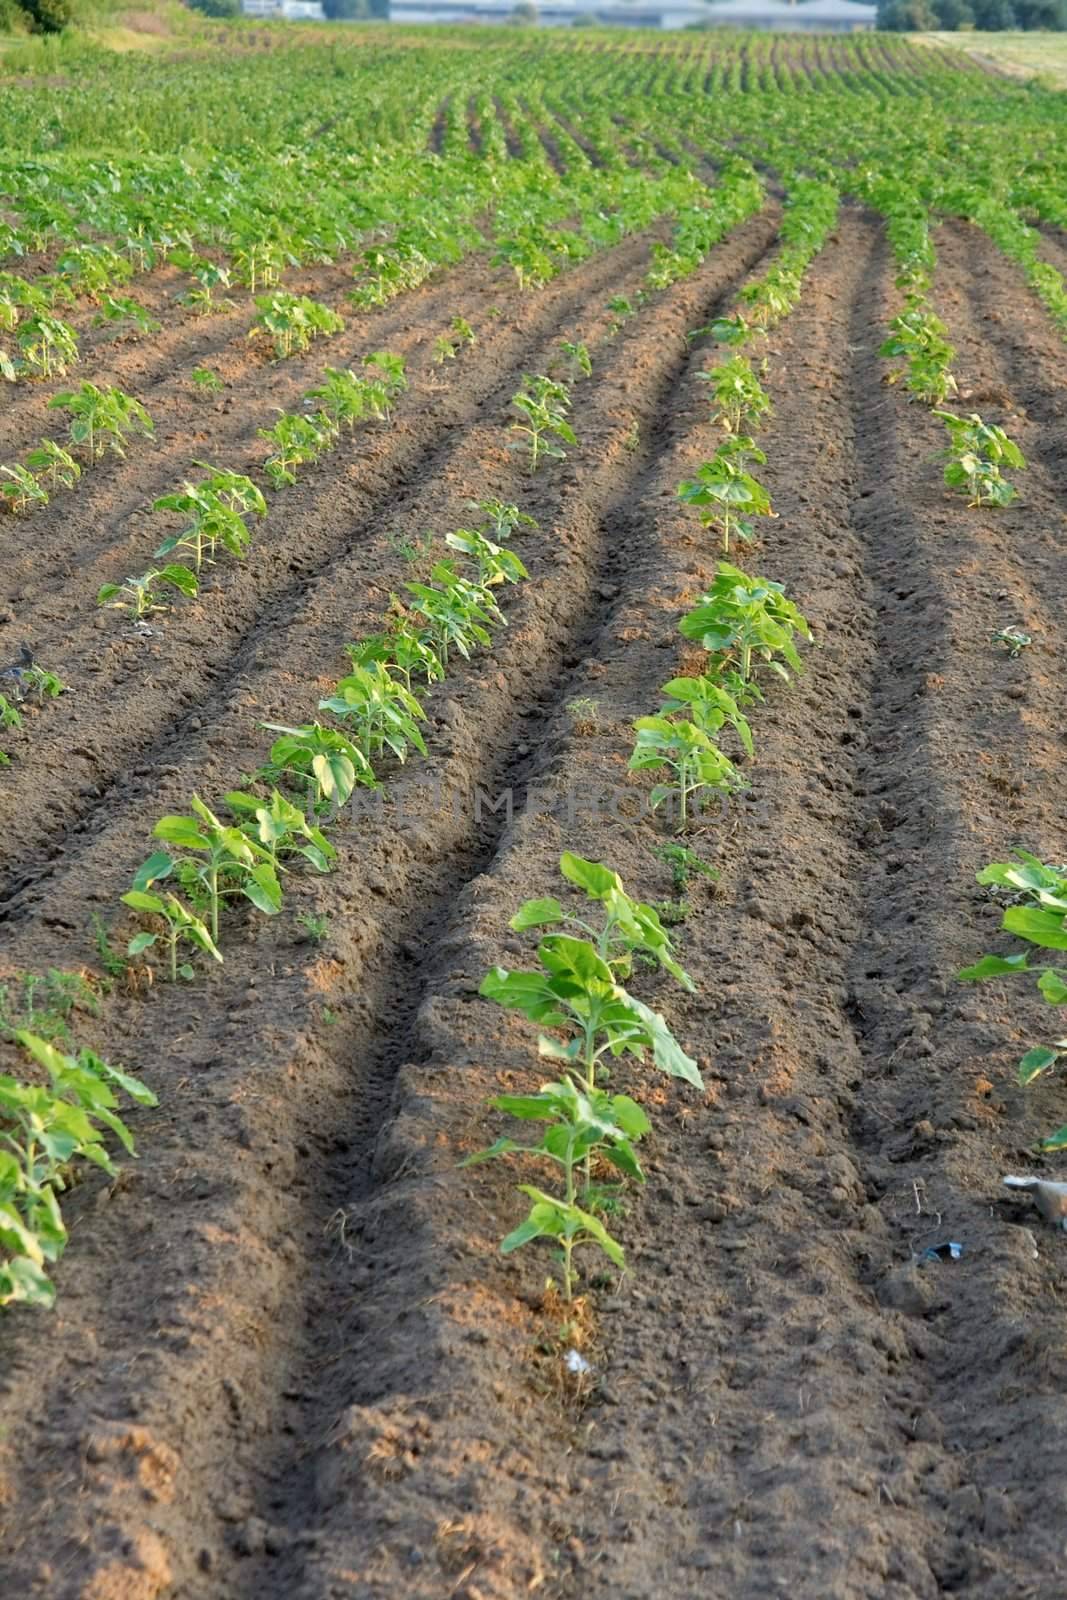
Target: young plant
974	457
1039	915
209	278
216	509
297	440
500	520
22	491
215	862
462	331
575	360
740	399
325	763
726	494
382	713
582	1125
205	379
46	345
919	337
342	396
1014	640
629	927
140	596
743	618
291	321
496	564
45	1131
684	864
690	756
50	458
456	613
180	926
543	405
443	349
101	419
386	383
282	829
708	705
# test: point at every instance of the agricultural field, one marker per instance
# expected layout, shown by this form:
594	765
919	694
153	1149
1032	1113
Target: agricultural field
531	656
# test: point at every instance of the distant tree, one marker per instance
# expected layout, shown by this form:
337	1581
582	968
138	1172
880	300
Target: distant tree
49	16
216	8
1051	14
953	14
345	10
907	16
993	15
525	14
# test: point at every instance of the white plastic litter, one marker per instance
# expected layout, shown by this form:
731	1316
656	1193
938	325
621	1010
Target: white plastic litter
575	1362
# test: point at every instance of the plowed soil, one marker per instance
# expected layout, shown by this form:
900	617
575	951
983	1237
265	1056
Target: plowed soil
287	1360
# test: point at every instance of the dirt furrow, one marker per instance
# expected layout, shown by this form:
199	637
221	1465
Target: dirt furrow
189	668
279	1057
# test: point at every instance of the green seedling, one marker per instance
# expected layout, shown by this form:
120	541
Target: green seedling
672	913
323	761
974	457
141	596
297	440
259	263
282	829
742	619
543	404
214	863
456	613
584	713
291	321
343	397
381	713
629	928
412	550
130	313
210	277
575	360
387	382
49	458
708	705
45	1004
496	564
689	754
22	491
726	494
180	926
205	379
216	509
463	331
684	864
45	1131
741	402
1013	639
316	928
46	345
919	337
101	419
501	521
401	648
581	1125
1040	917
444	349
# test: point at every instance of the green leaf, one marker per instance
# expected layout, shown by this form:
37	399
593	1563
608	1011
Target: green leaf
537	914
1035	1062
993	967
1055	1141
1039	927
1053	987
137	900
140	943
592	876
182	831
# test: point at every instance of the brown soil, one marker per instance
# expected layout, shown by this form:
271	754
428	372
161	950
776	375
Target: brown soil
287	1360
